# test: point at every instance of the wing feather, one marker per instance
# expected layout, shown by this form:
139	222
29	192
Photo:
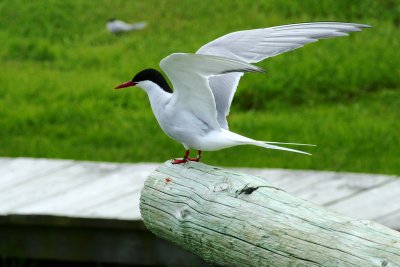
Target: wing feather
252	46
189	75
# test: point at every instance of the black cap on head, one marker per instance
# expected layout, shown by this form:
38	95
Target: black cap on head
154	76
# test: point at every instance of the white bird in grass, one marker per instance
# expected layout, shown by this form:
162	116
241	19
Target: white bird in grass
194	113
119	26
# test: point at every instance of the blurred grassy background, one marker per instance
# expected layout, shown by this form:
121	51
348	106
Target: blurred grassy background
59	65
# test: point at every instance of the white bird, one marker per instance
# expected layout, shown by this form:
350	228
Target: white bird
194	113
118	26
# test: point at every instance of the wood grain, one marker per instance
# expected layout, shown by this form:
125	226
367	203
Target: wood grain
236	219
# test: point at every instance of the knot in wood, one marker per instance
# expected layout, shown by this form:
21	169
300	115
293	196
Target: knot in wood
221	187
184	213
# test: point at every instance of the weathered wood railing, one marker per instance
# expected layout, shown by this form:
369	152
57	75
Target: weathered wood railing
234	219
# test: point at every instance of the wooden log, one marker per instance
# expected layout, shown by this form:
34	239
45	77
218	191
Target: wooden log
235	219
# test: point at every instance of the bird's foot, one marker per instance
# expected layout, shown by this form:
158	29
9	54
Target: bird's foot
186	158
180	161
196	159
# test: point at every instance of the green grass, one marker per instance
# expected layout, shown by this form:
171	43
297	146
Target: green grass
59	65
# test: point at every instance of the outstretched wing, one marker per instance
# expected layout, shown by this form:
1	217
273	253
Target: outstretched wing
252	46
189	74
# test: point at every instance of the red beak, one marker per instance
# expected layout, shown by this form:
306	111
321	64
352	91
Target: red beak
126	84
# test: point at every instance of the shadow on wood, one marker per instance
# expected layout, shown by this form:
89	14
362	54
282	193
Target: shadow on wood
234	219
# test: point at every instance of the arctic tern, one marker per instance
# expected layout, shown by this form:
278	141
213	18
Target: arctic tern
195	112
119	26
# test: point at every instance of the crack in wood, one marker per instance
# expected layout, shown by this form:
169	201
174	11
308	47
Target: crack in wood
247	190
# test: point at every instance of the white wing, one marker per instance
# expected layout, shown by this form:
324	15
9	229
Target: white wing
189	74
252	46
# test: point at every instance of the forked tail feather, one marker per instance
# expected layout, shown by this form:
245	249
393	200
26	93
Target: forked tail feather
242	140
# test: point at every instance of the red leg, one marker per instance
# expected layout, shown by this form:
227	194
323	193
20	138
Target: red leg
183	160
197	158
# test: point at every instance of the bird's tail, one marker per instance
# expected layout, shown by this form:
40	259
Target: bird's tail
280	143
138	26
268	145
242	140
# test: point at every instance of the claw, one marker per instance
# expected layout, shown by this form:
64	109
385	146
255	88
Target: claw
179	161
186	158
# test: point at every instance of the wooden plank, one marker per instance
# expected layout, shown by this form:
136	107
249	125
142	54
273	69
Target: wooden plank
52	184
12	167
72	198
374	203
391	220
289	180
339	186
133	213
78	201
305	180
86	199
4	161
125	207
21	170
277	177
320	187
64	187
